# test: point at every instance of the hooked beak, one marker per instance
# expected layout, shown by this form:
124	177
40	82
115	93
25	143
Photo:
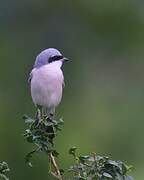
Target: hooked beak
65	59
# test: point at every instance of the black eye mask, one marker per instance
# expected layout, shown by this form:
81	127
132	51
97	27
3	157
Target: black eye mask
54	58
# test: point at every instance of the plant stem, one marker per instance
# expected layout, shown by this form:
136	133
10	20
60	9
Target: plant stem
57	173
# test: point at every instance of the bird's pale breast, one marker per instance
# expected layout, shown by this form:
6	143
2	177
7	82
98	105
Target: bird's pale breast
46	86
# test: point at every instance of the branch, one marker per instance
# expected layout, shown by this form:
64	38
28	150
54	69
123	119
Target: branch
57	173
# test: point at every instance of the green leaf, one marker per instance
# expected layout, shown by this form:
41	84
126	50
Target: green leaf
29	156
128	178
114	163
3	177
30	139
107	175
83	158
72	150
3	169
55	153
28	119
62	171
129	168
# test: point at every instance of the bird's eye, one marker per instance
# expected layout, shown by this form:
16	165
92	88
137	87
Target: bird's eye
54	58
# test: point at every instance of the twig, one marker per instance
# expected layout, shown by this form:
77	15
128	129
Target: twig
57	173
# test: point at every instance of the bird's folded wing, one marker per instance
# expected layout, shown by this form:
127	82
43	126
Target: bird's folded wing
63	84
30	77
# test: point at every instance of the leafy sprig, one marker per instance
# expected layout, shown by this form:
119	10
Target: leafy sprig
41	133
3	170
95	167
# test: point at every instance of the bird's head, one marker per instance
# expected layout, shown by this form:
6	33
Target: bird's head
48	56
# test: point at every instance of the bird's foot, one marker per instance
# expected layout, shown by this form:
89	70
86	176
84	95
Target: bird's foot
38	117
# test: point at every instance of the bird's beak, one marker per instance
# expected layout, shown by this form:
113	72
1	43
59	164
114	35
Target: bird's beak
65	59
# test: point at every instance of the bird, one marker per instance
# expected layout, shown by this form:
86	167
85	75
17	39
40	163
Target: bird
47	81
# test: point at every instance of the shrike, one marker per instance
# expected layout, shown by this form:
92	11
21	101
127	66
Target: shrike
47	80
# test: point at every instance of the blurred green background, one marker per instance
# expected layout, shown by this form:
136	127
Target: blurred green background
103	102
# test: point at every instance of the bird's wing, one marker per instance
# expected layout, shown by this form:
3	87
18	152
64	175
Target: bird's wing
30	77
63	84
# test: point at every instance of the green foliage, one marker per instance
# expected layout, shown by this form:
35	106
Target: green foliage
42	133
3	170
94	167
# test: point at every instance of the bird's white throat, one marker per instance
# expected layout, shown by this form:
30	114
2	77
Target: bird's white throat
55	64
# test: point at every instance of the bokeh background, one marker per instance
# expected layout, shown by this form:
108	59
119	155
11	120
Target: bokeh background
103	102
